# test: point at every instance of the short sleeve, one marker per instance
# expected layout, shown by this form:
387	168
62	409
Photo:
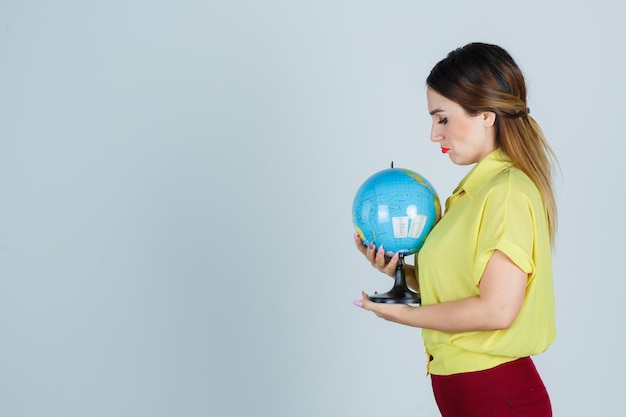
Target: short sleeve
507	225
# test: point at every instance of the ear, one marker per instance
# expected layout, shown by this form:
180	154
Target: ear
489	118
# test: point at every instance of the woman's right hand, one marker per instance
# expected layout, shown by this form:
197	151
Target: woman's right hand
377	257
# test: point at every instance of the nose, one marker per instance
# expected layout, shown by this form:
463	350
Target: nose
435	133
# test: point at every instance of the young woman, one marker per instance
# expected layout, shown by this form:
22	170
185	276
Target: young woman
485	271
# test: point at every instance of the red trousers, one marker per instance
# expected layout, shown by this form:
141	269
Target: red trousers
511	389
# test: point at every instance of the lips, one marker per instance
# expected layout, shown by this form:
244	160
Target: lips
445	150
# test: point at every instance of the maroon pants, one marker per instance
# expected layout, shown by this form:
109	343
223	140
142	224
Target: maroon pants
511	389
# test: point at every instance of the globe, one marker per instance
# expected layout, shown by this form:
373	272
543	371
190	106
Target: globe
396	208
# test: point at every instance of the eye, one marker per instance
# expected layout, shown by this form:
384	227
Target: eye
443	121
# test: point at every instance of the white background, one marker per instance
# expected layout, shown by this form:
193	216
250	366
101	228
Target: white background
176	181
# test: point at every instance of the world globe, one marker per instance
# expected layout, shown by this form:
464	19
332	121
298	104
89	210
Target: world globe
395	208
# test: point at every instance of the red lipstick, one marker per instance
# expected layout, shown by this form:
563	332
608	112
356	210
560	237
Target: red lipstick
445	150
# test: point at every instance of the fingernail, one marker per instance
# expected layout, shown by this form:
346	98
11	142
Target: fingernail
395	256
381	248
358	303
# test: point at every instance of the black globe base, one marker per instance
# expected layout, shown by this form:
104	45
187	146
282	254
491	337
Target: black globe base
400	293
397	296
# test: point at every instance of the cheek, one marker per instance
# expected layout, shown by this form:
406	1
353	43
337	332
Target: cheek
462	132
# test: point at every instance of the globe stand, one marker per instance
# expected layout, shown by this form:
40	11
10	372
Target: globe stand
400	293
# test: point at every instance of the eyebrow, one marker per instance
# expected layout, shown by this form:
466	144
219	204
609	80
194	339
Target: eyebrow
432	112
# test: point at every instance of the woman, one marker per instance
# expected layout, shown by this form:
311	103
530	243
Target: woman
485	271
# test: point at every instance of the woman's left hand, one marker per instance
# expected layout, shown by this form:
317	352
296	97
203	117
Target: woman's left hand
387	311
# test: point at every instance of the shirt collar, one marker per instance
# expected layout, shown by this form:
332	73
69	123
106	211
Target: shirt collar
490	166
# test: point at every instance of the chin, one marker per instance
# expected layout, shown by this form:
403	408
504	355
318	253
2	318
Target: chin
458	161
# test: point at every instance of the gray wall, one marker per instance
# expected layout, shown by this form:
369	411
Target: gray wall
176	181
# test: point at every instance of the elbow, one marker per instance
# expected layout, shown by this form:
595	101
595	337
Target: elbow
503	320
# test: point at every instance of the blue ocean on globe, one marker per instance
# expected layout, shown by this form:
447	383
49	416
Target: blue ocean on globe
396	208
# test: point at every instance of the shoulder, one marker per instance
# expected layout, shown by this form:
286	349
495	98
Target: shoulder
512	180
512	187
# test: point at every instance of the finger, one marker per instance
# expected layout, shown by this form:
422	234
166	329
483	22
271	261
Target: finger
359	244
370	253
381	260
390	268
363	301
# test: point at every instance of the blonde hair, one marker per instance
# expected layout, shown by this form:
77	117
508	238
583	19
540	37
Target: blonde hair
482	77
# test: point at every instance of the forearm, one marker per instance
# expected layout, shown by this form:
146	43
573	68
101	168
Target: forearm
468	314
502	288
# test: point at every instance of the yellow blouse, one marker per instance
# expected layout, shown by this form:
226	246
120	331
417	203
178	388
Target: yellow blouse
496	206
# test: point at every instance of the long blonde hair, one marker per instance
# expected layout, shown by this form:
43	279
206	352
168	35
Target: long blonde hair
482	77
